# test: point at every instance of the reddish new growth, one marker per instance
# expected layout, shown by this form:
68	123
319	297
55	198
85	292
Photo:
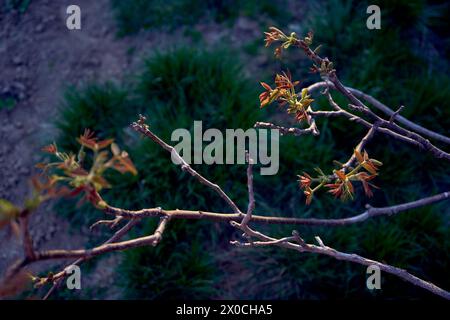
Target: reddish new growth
299	104
340	183
78	180
275	35
284	92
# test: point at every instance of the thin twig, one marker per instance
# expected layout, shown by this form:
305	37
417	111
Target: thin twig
357	119
284	130
152	240
111	245
141	127
117	236
241	221
388	111
251	195
423	143
333	78
271	219
325	250
369	135
27	241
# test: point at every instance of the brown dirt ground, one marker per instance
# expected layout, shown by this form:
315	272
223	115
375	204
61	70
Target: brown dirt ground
39	58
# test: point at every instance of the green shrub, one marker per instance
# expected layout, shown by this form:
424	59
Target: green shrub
181	267
104	108
19	5
133	16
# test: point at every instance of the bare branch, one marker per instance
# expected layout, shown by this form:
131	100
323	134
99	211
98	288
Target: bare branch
84	254
271	219
251	195
20	264
284	130
117	236
262	243
111	223
355	118
141	127
105	248
395	114
423	143
237	218
27	241
321	113
388	111
332	77
312	122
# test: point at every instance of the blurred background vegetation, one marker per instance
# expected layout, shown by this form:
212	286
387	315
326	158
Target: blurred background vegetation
404	63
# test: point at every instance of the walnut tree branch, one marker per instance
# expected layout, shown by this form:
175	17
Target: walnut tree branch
388	111
369	135
271	219
331	76
143	128
57	278
251	195
350	257
284	130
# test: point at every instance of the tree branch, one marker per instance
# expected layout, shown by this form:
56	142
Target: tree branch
325	250
166	215
251	195
57	278
143	128
369	135
85	254
267	219
388	111
331	76
284	130
240	220
356	119
27	241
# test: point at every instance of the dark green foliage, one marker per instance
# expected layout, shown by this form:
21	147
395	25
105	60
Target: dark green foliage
181	267
19	5
133	16
187	85
7	103
105	109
